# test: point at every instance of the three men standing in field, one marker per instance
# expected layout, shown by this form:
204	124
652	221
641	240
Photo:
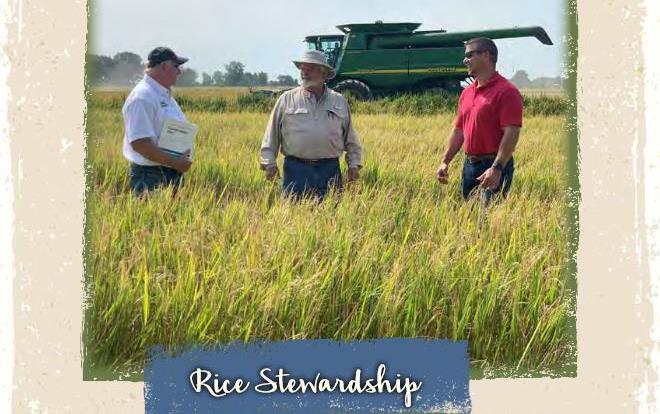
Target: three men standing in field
147	107
311	125
488	125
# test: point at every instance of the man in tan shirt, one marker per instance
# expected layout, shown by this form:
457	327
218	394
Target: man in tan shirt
311	125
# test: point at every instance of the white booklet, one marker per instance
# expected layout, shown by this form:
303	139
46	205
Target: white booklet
177	137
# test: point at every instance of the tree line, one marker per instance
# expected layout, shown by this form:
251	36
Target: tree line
521	79
127	68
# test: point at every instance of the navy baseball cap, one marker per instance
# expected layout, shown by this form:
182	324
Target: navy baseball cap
161	54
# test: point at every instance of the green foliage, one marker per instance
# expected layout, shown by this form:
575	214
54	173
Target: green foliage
207	80
403	104
122	69
234	72
188	77
284	80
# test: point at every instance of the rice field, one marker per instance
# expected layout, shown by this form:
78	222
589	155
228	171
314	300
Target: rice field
395	255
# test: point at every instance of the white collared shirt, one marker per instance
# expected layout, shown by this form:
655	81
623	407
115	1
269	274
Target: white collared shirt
146	108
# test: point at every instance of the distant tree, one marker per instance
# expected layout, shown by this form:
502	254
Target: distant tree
547	83
188	77
521	79
207	80
234	72
246	79
99	69
284	80
128	58
262	78
127	68
218	78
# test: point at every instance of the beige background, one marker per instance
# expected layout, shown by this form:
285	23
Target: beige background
46	115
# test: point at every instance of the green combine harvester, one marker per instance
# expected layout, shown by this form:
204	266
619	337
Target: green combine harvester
384	58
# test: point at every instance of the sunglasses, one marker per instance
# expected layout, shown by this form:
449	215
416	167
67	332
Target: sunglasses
473	52
173	63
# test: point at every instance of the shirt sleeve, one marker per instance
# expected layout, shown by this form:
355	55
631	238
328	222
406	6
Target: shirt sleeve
139	119
352	143
511	108
272	139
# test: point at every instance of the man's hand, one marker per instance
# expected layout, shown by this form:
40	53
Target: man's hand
353	174
490	179
272	173
183	163
443	173
149	150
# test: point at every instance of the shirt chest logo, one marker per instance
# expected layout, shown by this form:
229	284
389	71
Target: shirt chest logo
163	104
482	100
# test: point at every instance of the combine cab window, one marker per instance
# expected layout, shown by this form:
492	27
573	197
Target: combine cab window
331	50
330	46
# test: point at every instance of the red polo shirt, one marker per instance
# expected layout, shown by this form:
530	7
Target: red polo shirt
484	111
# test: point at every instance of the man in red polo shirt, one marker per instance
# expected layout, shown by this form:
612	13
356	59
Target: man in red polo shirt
488	124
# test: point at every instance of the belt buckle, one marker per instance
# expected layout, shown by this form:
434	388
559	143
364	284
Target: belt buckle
478	158
309	161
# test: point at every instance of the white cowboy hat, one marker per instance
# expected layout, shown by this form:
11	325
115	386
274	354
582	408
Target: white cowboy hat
316	57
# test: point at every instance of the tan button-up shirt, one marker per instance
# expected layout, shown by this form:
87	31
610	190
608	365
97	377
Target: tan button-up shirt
304	127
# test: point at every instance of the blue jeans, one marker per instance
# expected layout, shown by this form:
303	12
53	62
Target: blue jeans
147	179
472	170
304	179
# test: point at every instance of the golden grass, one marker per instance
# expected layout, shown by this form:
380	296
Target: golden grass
396	255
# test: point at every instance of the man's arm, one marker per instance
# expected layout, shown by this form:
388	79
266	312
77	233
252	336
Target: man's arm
491	177
508	144
149	150
270	145
353	149
455	142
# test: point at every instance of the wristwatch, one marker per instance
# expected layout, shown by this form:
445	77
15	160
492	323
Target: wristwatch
497	166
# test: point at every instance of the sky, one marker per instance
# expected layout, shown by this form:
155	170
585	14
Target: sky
267	35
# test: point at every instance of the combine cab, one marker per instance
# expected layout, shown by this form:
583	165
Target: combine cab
384	58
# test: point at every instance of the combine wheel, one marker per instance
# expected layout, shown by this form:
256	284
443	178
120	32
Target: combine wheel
358	89
453	86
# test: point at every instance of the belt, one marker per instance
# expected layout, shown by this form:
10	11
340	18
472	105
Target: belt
480	157
308	161
153	167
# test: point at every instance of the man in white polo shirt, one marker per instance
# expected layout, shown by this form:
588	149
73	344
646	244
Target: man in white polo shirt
147	107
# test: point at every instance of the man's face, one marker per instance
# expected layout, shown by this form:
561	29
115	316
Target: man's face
475	59
311	74
171	72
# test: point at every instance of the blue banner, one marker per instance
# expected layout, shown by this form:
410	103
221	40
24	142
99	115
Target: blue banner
311	376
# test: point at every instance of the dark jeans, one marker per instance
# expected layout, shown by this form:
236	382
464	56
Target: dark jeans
146	179
305	179
472	170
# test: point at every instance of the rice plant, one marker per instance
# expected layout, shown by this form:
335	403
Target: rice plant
394	255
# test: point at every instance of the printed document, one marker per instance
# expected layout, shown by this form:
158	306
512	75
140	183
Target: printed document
177	137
